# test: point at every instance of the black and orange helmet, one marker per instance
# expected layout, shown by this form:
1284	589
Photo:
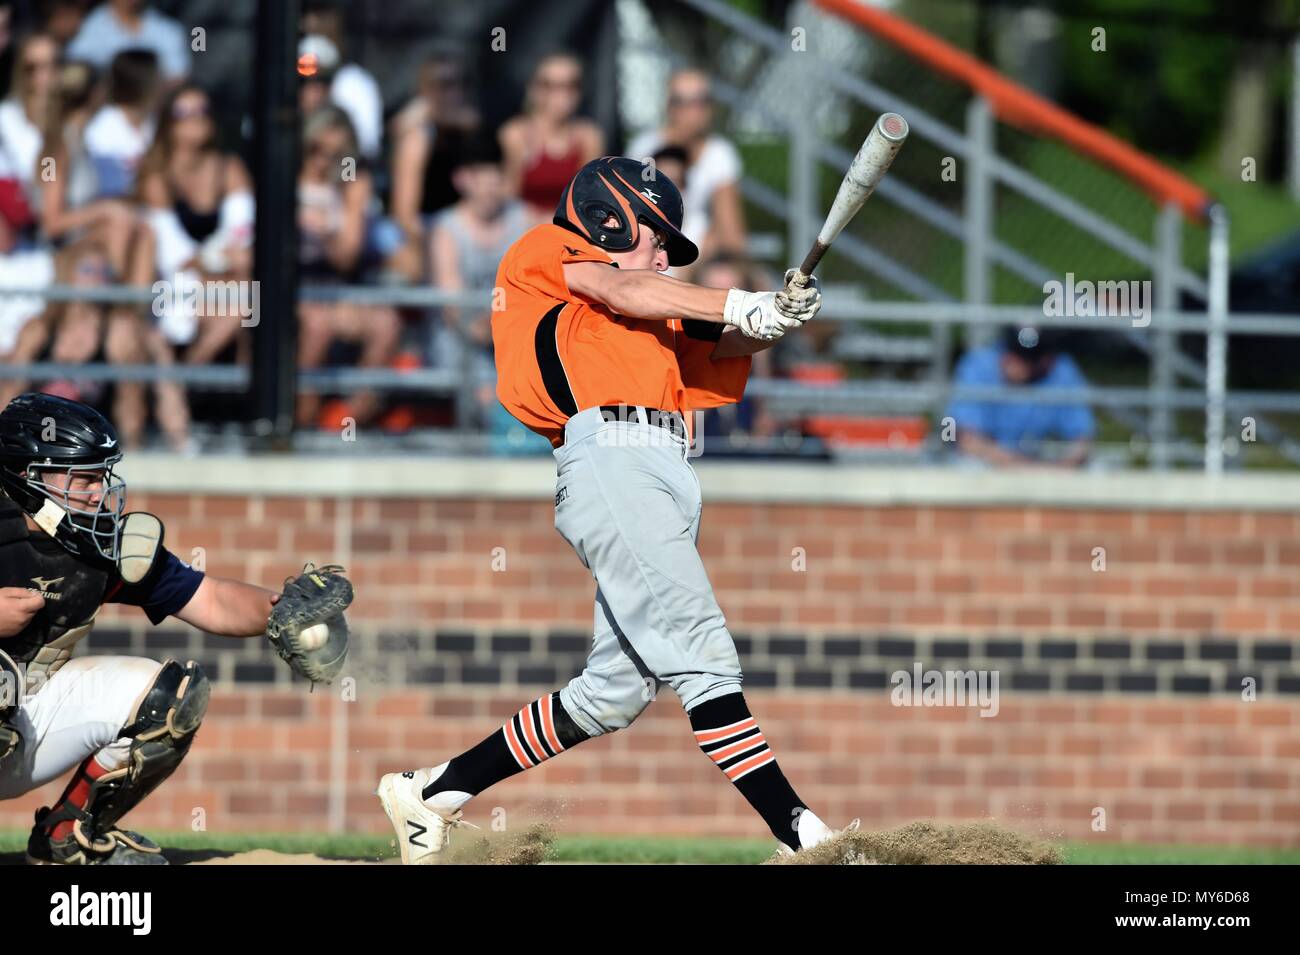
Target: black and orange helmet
633	193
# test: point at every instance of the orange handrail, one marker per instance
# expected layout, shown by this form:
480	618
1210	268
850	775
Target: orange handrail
1017	106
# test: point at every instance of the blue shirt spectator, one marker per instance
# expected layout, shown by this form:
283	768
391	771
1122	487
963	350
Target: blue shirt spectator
131	25
1018	429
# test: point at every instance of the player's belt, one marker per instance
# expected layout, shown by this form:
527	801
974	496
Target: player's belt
639	414
670	421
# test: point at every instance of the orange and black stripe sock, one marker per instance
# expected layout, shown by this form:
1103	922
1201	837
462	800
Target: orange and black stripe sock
730	736
540	730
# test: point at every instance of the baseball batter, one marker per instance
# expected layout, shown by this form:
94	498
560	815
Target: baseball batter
67	548
608	358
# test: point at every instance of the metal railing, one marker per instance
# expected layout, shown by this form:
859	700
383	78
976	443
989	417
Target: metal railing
973	226
933	307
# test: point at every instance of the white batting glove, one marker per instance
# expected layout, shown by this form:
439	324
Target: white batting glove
797	301
756	315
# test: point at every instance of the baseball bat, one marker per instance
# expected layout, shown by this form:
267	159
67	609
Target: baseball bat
864	174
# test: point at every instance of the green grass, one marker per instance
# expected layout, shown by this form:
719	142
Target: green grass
679	850
1080	853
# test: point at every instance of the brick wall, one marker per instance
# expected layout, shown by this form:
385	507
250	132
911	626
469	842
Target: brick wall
430	563
1121	688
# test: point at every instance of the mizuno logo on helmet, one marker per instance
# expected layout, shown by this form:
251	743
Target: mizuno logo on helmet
651	195
46	583
109	443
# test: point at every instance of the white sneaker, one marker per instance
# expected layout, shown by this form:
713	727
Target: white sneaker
423	829
812	831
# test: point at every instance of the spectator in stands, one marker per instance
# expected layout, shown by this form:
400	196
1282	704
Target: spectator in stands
76	333
351	86
23	115
670	161
331	228
468	241
120	133
30	268
24	263
62	19
73	212
200	206
1007	434
549	142
712	213
119	25
428	135
6	46
69	204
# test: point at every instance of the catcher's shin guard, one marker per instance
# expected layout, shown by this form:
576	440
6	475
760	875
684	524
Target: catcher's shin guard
11	690
81	827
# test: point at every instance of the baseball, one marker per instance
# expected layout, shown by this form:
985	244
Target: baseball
314	637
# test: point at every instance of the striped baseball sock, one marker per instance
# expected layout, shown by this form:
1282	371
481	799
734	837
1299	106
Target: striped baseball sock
730	736
540	730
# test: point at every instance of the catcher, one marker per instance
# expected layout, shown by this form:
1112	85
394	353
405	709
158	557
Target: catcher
124	723
608	359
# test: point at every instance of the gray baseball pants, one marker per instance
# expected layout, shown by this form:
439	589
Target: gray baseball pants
628	502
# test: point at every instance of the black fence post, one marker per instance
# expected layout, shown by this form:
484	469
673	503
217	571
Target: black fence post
275	256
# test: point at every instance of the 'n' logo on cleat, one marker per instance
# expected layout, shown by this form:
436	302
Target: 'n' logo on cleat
414	837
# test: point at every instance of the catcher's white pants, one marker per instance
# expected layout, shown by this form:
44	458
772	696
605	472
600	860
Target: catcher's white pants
80	711
629	504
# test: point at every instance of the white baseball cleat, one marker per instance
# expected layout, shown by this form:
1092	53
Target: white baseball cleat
423	830
813	832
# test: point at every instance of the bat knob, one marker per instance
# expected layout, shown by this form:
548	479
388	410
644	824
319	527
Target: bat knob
894	127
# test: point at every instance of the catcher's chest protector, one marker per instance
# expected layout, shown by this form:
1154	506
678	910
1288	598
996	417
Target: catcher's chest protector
73	593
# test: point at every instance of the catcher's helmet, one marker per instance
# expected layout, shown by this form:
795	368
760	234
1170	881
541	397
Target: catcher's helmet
631	192
41	434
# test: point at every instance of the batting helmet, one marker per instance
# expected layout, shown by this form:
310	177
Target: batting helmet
41	434
632	193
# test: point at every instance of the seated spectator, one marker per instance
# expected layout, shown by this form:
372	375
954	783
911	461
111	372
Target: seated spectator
119	25
62	19
1007	434
670	162
468	241
352	87
76	333
712	214
200	206
6	45
331	231
23	114
549	142
26	269
120	133
67	203
428	134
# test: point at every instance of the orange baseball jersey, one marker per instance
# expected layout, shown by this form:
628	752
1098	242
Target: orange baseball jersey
558	354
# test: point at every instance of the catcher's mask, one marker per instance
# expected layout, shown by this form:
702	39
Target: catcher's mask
634	194
56	463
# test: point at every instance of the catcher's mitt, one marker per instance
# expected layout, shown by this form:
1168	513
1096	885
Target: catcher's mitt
314	599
